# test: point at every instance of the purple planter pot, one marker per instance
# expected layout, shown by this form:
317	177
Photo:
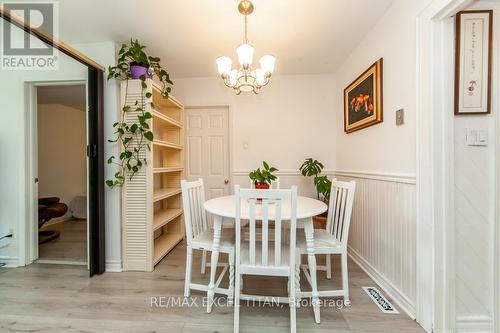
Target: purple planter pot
137	70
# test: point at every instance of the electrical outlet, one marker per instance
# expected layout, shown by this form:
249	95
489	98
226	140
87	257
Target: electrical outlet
400	117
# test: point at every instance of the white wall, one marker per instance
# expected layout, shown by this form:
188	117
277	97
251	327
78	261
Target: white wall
384	147
382	158
291	119
475	201
13	143
62	160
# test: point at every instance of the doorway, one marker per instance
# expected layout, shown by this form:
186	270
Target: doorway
61	170
207	149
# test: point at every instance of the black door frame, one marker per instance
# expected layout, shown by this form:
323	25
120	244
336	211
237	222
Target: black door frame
95	148
95	153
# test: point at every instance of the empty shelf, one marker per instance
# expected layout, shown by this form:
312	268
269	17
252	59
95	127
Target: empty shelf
167	169
166	144
170	122
162	217
164	193
163	245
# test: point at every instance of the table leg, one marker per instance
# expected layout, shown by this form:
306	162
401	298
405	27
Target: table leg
214	259
311	259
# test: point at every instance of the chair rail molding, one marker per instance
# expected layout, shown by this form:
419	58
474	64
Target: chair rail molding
406	178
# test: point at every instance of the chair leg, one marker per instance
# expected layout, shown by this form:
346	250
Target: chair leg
293	318
203	261
345	279
231	279
237	292
189	265
293	301
297	281
214	258
328	266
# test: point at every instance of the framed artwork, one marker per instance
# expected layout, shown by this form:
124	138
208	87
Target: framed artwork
473	45
363	99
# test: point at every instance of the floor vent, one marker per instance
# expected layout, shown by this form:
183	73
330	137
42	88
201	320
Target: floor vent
380	300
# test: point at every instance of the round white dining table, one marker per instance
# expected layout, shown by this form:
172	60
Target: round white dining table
224	209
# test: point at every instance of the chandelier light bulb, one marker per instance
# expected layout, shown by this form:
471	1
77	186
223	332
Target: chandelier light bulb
267	63
260	77
233	77
224	65
245	54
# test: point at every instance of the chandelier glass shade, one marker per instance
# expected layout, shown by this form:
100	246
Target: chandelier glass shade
246	78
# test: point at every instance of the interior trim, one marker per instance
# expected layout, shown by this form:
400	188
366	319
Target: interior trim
388	177
47	38
474	324
392	291
10	262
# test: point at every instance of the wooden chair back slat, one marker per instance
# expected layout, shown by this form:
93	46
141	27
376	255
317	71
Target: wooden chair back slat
340	210
265	206
193	198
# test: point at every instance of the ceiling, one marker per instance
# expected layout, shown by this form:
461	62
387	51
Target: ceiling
74	96
306	36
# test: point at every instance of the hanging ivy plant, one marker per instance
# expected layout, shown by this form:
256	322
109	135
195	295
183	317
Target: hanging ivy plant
134	136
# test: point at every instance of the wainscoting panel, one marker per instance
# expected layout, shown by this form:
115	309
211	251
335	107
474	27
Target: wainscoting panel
382	239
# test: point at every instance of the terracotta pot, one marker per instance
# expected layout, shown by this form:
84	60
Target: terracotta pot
321	219
259	186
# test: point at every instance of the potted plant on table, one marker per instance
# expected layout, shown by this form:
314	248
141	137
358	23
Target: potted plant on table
313	168
262	178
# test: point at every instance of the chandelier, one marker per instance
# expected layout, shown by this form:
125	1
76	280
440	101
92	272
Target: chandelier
246	78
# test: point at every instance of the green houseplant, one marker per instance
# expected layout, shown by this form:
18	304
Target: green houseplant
134	136
262	178
323	185
133	62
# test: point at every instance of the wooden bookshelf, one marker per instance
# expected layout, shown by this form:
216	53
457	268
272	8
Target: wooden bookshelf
152	207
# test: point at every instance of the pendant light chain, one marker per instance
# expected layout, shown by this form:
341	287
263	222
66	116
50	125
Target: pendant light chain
246	30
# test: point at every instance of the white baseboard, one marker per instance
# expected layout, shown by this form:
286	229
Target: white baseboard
10	262
113	266
474	324
389	289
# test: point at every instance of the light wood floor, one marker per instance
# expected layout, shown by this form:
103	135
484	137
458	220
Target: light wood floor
60	298
71	245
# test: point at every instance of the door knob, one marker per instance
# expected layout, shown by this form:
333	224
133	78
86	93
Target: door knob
36	180
226	181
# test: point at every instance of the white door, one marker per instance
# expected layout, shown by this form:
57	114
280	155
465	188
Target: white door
207	149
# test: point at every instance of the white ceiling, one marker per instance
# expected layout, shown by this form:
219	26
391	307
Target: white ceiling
74	96
306	36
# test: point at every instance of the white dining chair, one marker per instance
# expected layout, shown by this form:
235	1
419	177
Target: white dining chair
200	236
266	256
333	239
275	184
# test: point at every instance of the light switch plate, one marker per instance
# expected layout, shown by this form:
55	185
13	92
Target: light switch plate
400	117
476	137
